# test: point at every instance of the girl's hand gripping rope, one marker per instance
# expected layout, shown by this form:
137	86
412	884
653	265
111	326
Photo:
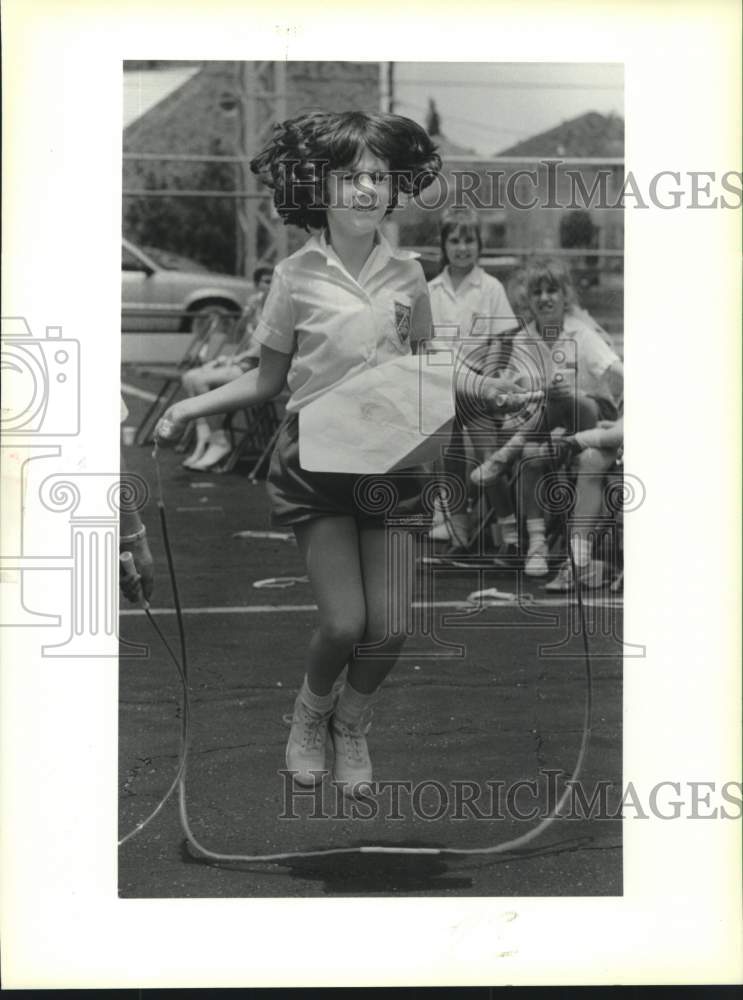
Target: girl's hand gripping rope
502	396
136	566
131	583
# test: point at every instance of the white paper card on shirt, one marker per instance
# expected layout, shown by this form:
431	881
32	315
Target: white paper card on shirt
390	417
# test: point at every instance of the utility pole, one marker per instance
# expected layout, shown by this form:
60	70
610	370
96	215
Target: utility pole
261	91
390	226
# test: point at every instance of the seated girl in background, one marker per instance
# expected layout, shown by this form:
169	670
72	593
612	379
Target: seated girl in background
583	378
466	303
212	440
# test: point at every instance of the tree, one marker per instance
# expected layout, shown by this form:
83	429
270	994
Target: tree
577	230
433	119
203	228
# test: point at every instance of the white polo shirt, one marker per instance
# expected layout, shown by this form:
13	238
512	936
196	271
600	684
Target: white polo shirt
336	326
477	307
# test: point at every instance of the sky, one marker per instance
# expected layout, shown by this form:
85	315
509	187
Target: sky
484	106
490	106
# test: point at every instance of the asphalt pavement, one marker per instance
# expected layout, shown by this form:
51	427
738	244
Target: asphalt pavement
496	700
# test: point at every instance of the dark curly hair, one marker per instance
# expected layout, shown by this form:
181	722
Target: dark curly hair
296	162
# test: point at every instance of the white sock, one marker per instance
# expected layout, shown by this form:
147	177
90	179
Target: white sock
509	529
203	431
535	531
317	702
352	704
581	550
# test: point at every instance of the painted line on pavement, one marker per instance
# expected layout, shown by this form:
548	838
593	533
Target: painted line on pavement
272	609
132	390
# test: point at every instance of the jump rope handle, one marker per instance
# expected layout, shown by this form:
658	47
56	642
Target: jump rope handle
129	571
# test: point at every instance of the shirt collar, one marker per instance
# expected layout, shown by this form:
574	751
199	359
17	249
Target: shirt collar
382	252
571	324
319	243
474	278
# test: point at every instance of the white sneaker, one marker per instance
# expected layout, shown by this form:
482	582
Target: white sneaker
455	529
439	532
305	749
488	473
563	582
352	764
536	560
590	577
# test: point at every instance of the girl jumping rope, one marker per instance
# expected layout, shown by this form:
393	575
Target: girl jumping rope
345	302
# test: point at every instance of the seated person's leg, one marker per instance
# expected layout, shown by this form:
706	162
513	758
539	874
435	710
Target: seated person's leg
505	520
590	467
489	444
455	527
573	412
194	384
532	468
212	441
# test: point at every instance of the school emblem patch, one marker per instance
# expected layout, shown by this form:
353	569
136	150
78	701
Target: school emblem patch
403	315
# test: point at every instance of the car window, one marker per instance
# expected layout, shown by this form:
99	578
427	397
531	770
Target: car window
130	262
173	261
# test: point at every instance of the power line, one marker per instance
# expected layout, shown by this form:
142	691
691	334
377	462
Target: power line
468	121
510	85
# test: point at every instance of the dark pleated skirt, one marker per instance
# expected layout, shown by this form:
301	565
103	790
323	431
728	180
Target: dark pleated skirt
298	496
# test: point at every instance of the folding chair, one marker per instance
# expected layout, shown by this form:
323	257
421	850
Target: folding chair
257	436
204	345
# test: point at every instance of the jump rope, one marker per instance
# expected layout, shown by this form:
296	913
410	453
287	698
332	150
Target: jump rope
179	781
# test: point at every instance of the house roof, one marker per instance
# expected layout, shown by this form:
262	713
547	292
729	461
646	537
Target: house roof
181	108
590	134
447	147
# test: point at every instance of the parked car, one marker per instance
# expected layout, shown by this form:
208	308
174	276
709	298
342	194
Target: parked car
162	292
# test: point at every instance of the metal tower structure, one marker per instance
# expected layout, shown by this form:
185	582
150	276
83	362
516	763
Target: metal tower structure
261	91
